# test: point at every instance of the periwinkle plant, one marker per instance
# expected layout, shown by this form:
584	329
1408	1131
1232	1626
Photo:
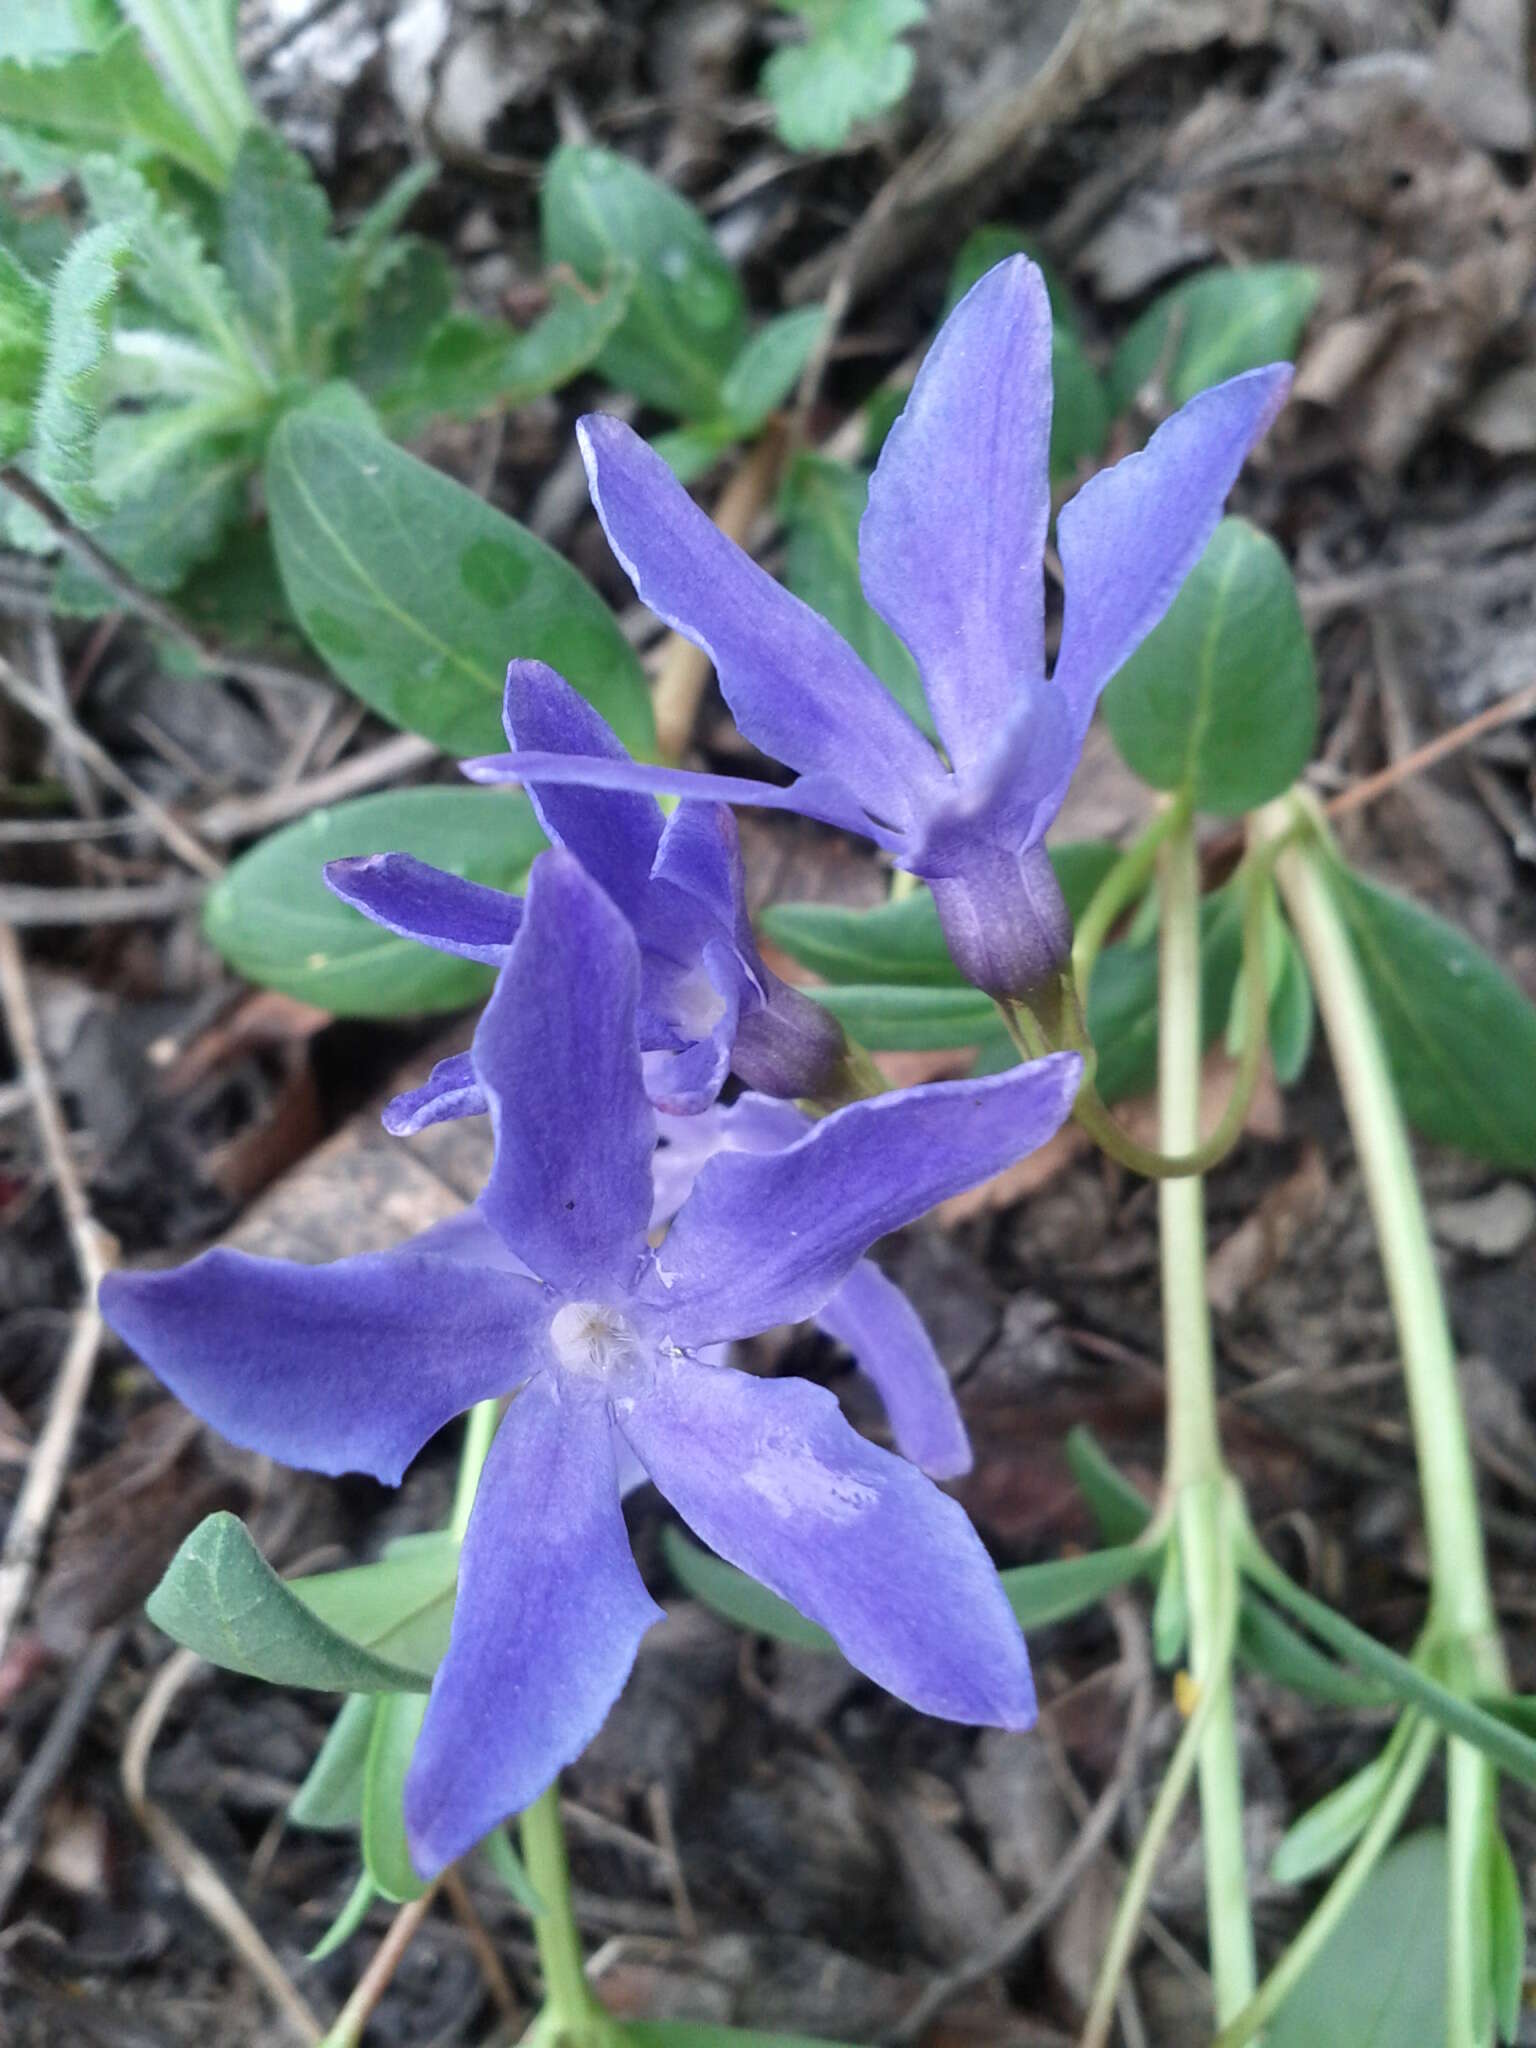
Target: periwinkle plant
635	1223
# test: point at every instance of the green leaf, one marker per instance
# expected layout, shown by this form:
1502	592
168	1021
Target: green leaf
1118	1507
275	921
1043	1593
221	1598
1506	1934
386	1854
1170	1610
889	1018
507	1864
690	2034
767	369
193	45
1221	697
740	1599
23	349
369	248
1460	1036
347	1921
851	69
400	1607
406	301
168	522
418	593
686	322
68	410
331	1795
821	505
104	99
689	452
468	365
1267	1643
1227	321
166	260
1380	1979
1323	1833
276	252
1292	1013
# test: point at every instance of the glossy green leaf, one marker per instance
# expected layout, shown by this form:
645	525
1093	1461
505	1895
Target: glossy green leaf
400	1607
23	337
104	99
1380	1979
1460	1036
889	1018
686	321
386	1854
821	505
1119	1508
418	593
740	1599
276	251
1221	697
1506	1934
1043	1593
331	1795
1211	327
468	365
348	1920
1269	1644
275	921
851	69
1327	1830
769	366
221	1598
69	397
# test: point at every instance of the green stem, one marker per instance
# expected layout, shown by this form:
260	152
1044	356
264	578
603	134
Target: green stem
571	2014
1138	1882
1340	1895
1120	888
1196	1476
1461	1611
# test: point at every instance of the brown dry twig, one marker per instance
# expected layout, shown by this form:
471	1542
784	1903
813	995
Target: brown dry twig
23	1817
1521	705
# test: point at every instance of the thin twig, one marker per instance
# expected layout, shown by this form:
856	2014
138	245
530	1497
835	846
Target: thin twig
1006	1943
462	1906
60	722
94	1251
23	906
198	1877
240	816
225	660
375	1980
23	1816
1521	705
672	1863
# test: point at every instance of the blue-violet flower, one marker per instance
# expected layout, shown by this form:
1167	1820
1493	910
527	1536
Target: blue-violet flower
951	557
548	1290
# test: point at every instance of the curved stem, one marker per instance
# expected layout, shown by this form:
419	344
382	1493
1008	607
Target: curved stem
1336	1901
1196	1477
1138	1883
571	2017
1120	888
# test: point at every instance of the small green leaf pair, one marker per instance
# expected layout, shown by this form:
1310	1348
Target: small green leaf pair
850	68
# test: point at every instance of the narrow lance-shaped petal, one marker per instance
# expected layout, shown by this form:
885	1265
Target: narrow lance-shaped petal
451	1090
860	1173
952	542
414	900
549	1614
769	1474
558	1057
875	1320
349	1367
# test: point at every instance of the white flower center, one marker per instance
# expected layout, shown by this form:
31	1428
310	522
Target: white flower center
594	1340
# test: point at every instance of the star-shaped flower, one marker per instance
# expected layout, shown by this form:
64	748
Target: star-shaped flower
548	1291
951	556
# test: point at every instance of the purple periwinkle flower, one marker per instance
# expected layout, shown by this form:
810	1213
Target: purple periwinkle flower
951	552
548	1290
707	1001
869	1315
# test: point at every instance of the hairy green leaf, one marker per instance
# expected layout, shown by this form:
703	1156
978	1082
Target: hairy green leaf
166	260
23	350
274	920
277	254
418	593
104	99
68	409
686	320
193	45
171	519
852	68
1220	699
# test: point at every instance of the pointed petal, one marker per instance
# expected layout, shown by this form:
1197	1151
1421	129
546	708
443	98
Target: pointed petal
614	836
450	1090
549	1614
769	1474
882	1329
685	1081
766	1238
796	687
343	1368
822	797
952	542
559	1059
417	901
1134	532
